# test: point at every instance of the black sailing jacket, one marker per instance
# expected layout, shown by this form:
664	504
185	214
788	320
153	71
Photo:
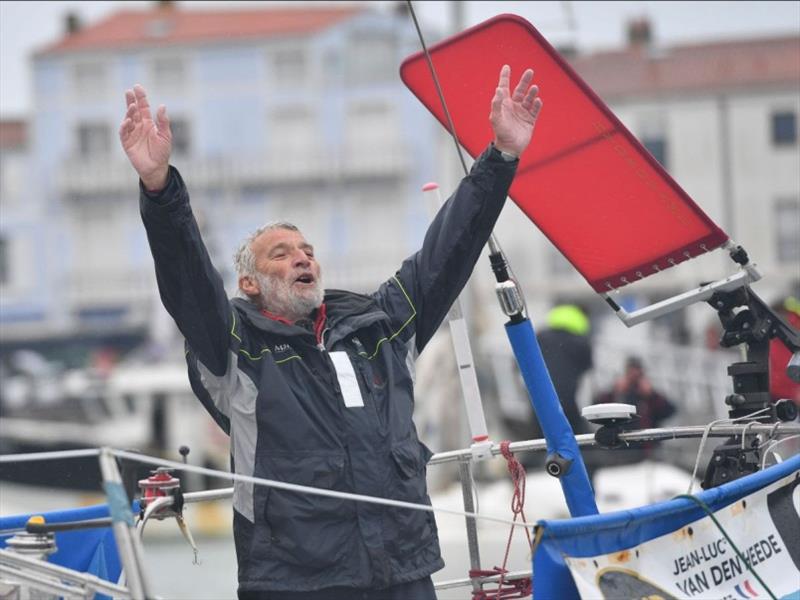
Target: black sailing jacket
294	411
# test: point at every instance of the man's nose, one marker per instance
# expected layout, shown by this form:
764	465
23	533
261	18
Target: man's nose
300	258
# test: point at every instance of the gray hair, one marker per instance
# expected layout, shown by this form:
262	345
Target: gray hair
244	260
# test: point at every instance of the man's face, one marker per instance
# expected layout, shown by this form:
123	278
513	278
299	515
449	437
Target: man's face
287	273
634	374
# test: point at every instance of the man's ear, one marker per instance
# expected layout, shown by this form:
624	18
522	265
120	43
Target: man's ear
249	285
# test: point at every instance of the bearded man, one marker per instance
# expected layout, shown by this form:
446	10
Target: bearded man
316	387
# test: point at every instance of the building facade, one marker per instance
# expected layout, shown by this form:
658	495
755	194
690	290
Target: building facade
292	113
299	114
22	227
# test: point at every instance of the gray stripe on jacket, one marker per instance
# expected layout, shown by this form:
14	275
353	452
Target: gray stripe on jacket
234	394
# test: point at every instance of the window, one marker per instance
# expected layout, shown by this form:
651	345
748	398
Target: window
90	79
371	125
370	58
94	140
332	67
169	73
294	127
657	146
652	133
181	136
787	231
289	65
97	232
5	270
784	128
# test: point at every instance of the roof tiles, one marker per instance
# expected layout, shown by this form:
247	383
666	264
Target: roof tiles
173	26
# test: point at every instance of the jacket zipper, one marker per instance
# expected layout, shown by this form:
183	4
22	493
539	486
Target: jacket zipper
321	341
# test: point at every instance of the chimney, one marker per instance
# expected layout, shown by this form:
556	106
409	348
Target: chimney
401	10
72	23
640	34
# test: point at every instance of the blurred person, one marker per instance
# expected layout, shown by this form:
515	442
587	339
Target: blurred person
315	387
780	385
567	352
652	408
103	360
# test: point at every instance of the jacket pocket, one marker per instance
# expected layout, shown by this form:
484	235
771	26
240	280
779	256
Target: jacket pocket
410	458
410	529
309	530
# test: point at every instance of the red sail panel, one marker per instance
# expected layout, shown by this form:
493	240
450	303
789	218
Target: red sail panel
585	181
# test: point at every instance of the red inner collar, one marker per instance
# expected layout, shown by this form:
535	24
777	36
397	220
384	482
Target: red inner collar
319	322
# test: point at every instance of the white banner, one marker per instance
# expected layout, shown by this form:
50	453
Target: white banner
696	561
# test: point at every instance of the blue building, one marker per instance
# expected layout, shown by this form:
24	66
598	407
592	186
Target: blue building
290	113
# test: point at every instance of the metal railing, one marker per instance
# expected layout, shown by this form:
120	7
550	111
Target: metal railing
38	575
111	174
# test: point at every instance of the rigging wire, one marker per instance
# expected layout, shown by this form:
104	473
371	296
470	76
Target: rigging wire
494	244
306	489
54	455
744	560
451	128
772	444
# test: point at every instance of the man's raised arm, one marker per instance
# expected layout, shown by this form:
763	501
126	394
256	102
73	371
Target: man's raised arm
434	276
191	289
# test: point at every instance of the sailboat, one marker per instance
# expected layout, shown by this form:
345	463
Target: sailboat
738	538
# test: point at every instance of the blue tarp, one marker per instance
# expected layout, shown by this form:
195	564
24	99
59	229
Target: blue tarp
613	532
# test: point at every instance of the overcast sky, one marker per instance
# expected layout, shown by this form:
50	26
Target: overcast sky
26	26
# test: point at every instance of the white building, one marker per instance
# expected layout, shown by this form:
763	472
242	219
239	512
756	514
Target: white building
21	225
722	118
300	114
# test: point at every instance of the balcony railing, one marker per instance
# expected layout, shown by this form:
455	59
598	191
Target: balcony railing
127	288
281	166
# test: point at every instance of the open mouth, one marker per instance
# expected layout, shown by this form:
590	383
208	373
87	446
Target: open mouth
306	278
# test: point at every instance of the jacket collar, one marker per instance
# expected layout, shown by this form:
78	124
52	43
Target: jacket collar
340	309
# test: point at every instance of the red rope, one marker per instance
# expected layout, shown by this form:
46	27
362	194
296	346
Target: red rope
520	588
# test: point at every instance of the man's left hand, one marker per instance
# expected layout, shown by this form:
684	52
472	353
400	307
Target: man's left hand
513	116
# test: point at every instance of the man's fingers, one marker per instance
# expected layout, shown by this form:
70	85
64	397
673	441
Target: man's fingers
142	103
133	113
497	101
537	106
162	121
505	76
524	82
530	97
126	129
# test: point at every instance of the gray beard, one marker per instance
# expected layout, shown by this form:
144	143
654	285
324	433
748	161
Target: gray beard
280	298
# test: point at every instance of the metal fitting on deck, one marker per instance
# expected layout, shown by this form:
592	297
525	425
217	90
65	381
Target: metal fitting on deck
161	484
556	465
510	298
481	450
35	545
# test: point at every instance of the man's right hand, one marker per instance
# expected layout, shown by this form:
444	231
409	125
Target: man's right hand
146	142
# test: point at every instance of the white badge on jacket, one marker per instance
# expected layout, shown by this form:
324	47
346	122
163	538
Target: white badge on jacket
348	382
